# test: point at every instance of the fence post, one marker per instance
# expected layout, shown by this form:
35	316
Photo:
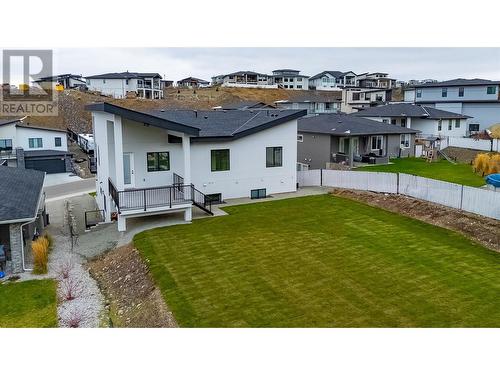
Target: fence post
461	196
321	177
397	183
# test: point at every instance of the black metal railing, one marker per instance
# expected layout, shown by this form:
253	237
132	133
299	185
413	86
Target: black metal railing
161	196
178	180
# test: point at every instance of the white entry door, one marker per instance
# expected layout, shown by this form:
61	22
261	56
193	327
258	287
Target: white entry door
128	170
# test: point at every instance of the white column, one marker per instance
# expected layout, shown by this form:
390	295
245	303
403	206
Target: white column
118	133
122	223
186	148
188	214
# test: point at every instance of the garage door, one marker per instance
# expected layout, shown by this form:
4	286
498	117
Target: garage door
46	165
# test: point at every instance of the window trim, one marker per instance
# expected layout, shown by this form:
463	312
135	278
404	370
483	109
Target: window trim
55	141
372	137
403	140
156	167
213	167
493	90
461	91
300	138
275	163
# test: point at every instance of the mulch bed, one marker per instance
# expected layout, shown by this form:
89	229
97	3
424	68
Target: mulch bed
484	230
134	300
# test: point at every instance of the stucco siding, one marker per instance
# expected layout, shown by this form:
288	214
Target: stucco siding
315	150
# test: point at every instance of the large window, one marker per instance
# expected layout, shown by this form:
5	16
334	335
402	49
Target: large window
457	123
5	144
220	160
274	157
158	161
460	91
419	93
57	141
35	142
491	90
377	142
444	92
405	140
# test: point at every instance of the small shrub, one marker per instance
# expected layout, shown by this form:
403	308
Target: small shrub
480	163
487	164
64	268
73	318
70	289
40	250
50	240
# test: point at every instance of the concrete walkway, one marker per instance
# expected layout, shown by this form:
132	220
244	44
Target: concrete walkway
69	189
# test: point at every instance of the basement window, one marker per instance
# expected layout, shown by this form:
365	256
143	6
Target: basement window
215	198
258	193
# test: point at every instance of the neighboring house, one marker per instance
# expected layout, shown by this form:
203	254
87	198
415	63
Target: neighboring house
22	214
243	79
354	98
428	120
68	81
477	98
119	85
165	161
375	80
245	104
341	138
332	80
289	79
23	145
192	82
313	101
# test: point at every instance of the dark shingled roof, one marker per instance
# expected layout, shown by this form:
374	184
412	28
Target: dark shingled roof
206	124
335	73
193	79
8	121
20	190
246	104
125	75
307	96
458	82
340	123
408	110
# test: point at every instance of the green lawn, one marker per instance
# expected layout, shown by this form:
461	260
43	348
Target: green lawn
439	170
321	261
28	304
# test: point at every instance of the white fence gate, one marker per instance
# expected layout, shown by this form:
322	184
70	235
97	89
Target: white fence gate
479	201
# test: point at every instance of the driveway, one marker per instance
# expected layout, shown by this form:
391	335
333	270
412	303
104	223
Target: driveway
59	178
69	189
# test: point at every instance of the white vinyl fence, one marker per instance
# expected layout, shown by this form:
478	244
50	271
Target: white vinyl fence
476	144
479	201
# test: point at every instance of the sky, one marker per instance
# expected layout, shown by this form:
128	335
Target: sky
177	63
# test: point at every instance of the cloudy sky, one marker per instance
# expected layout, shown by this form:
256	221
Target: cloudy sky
178	63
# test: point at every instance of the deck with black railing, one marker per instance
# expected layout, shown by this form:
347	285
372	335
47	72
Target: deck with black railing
157	198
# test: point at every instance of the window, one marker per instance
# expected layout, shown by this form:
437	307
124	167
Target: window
35	142
285	79
299	79
5	144
440	125
300	138
419	93
103	81
220	160
473	127
405	140
393	121
274	157
286	86
57	141
403	123
215	198
385	121
355	96
457	123
491	90
367	96
377	142
158	161
460	91
291	86
444	92
126	81
450	122
299	86
258	193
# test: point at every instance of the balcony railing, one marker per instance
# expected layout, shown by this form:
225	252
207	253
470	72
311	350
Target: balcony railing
158	197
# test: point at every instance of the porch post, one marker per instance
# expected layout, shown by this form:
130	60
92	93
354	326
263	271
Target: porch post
186	148
351	153
118	135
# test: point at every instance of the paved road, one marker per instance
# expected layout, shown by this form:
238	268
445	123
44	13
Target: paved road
70	189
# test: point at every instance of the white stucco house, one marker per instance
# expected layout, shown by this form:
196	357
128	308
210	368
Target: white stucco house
118	85
430	121
164	161
33	147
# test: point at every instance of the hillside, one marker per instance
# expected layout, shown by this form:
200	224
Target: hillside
72	113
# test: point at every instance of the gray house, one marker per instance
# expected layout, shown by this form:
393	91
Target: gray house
346	139
22	215
477	98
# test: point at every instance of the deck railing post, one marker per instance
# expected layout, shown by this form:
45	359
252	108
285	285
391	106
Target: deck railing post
145	200
170	192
